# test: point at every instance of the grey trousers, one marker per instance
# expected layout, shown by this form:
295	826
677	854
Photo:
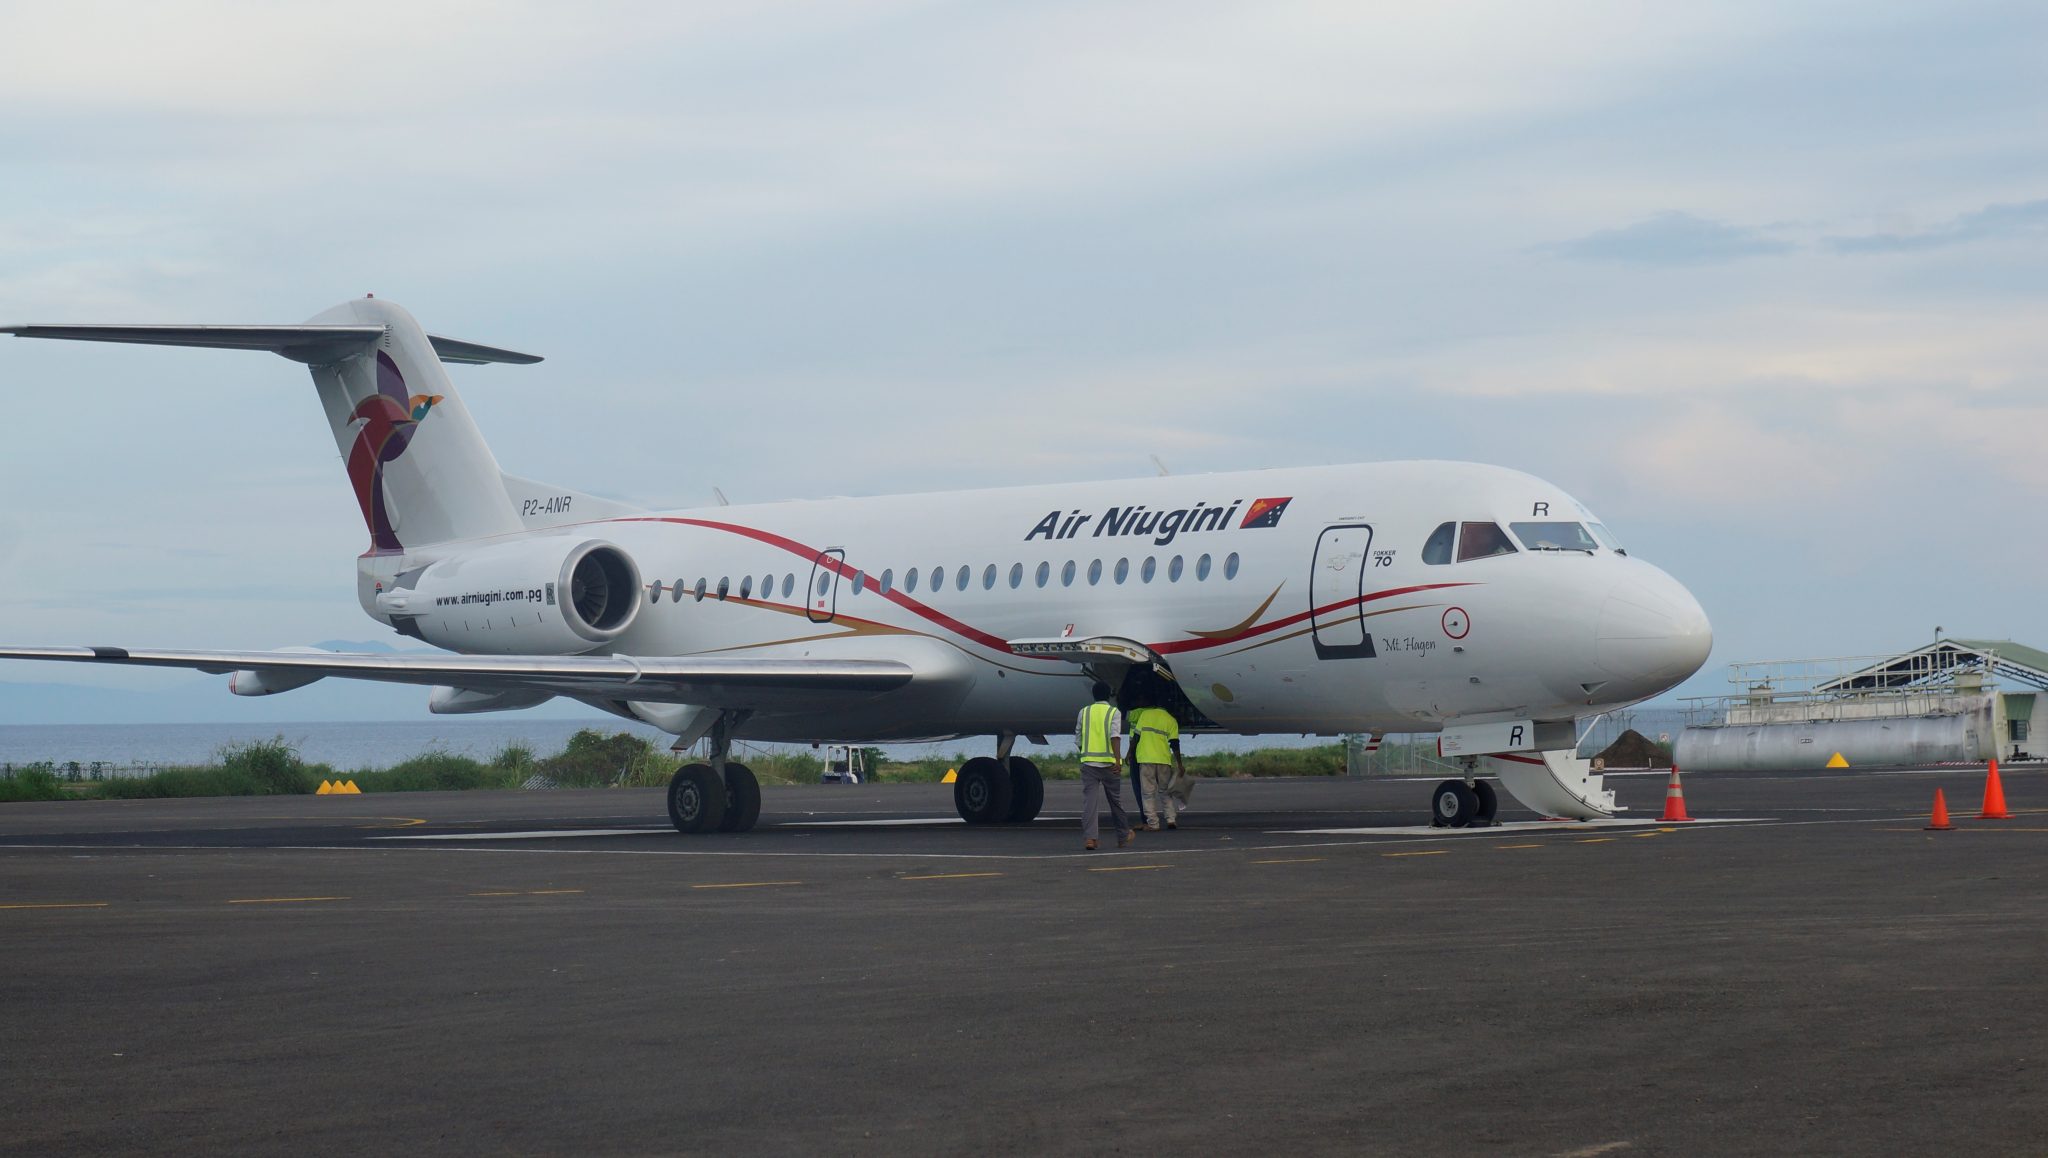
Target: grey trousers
1159	805
1096	781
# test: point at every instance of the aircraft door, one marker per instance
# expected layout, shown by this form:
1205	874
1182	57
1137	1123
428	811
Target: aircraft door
821	600
1336	591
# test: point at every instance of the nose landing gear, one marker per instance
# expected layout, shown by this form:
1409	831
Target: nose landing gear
1467	803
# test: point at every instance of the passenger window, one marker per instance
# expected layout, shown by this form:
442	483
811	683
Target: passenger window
988	578
699	591
767	586
1044	570
910	581
860	581
1202	568
788	585
1094	572
1123	570
888	580
1437	551
824	583
1482	541
654	592
747	587
1230	565
724	586
960	580
1016	575
1173	570
1554	537
1150	569
675	593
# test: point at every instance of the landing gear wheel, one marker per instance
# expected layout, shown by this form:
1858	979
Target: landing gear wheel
1489	803
1453	805
696	799
981	794
742	799
1027	791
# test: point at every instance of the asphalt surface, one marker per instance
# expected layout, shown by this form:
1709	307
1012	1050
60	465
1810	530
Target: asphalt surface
1803	970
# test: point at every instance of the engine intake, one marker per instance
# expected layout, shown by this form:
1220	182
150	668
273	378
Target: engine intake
534	597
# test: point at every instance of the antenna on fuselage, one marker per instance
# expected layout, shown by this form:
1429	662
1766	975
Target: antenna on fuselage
720	496
1163	472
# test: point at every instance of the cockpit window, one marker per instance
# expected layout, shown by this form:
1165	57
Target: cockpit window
1437	551
1607	538
1482	540
1554	537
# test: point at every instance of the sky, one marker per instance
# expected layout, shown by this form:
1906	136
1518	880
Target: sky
1762	284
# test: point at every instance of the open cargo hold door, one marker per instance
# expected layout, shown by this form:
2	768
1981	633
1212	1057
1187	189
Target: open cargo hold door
1135	671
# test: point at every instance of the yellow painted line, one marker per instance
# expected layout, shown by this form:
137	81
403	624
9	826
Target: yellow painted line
506	893
1641	835
1431	852
403	822
949	876
62	905
1596	840
1518	846
282	900
1291	860
550	892
748	885
1129	868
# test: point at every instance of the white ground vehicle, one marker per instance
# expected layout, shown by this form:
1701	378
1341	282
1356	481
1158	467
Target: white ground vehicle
843	765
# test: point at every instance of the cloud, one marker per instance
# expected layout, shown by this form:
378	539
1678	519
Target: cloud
1993	222
1672	238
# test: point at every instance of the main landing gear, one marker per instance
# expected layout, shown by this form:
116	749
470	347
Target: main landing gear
1467	803
1004	789
721	796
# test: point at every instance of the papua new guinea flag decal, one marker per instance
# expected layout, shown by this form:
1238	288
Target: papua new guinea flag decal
1266	512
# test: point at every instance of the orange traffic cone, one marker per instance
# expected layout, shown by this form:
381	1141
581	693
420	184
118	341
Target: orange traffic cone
1674	801
1939	821
1994	797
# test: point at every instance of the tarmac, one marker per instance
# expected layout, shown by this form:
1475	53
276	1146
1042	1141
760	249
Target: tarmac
1302	967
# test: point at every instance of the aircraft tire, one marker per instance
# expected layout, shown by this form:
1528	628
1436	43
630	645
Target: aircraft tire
1027	791
696	799
1452	805
742	799
1489	803
981	793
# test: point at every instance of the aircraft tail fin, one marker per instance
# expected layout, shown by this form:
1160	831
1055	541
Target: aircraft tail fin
420	468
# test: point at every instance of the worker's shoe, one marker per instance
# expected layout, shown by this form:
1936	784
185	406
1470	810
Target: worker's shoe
1125	838
1088	846
1151	826
1173	824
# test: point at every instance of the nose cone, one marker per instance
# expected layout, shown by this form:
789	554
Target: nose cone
1653	634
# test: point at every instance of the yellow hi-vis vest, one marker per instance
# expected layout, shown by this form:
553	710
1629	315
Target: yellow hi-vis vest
1151	731
1094	734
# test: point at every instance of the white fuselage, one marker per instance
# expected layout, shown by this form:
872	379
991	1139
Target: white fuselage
1322	617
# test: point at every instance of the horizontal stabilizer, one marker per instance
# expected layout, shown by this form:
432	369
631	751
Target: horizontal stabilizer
314	345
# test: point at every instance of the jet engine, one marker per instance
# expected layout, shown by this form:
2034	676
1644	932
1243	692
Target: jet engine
548	596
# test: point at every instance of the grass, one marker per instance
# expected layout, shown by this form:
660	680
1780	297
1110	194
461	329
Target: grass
591	759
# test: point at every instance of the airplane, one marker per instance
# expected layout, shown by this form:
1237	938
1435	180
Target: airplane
1473	601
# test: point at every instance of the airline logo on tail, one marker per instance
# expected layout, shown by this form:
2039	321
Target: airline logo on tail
387	420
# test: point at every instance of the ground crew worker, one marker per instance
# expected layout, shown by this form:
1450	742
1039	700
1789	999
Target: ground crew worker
1155	736
1098	736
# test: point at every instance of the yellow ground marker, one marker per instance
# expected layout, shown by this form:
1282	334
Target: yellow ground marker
1431	852
282	900
1128	868
952	774
351	789
1538	845
550	892
748	885
1836	761
1291	860
948	876
325	789
61	905
1596	840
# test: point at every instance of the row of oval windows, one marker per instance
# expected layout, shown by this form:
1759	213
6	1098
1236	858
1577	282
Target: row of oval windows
1121	572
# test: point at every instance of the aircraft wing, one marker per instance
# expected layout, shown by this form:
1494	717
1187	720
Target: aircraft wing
760	684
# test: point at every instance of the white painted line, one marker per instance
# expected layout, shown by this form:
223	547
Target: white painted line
1515	826
543	834
869	823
